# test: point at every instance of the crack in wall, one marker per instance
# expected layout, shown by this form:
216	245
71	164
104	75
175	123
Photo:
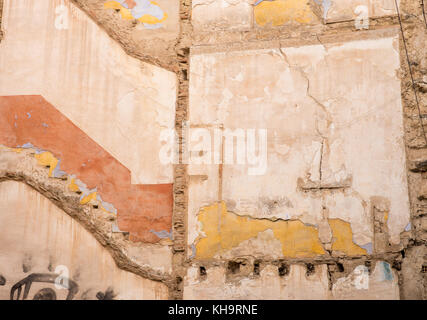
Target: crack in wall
414	239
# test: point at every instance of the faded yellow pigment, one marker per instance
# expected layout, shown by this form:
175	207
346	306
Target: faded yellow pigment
88	198
47	159
73	186
281	11
127	14
343	238
224	230
152	20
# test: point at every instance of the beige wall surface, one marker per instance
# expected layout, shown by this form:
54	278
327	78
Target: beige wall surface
40	242
303	166
119	101
334	145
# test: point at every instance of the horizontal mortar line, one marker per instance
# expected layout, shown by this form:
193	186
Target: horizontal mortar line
327	37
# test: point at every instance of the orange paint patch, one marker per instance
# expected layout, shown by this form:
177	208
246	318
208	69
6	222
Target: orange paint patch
140	208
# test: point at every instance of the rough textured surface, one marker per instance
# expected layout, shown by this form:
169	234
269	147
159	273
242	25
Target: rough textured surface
344	10
314	101
156	46
268	284
38	238
149	261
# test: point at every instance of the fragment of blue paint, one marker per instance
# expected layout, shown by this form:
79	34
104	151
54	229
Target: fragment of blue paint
29	115
388	275
45	125
115	228
367	247
163	234
326	4
259	1
29	145
193	251
57	172
408	227
107	206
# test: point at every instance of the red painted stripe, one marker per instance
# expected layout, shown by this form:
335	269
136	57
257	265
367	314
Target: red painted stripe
140	208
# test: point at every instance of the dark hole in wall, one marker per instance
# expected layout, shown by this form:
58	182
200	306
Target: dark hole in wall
283	269
202	272
397	265
402	253
310	269
368	265
256	268
424	269
233	267
95	206
340	267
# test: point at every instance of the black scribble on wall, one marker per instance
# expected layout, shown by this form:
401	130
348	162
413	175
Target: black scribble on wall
45	294
107	295
2	280
73	288
51	264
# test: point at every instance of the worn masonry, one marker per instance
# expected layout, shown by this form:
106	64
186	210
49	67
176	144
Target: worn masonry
213	149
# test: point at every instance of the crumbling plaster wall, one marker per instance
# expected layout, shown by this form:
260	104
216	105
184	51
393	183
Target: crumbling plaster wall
38	239
386	241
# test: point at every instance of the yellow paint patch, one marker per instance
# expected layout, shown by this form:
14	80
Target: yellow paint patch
88	198
73	186
47	159
343	238
281	11
151	19
126	13
17	150
224	230
107	211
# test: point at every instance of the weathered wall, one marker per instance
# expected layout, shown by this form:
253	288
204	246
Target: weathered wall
336	210
321	105
284	282
119	102
37	237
